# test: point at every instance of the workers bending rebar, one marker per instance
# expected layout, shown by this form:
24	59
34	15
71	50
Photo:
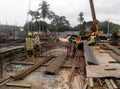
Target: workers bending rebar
74	44
37	46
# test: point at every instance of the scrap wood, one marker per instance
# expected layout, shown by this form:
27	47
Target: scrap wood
1	84
18	85
114	49
23	63
56	64
23	73
114	61
99	80
71	76
10	48
4	79
85	86
91	82
115	56
108	84
78	82
113	84
110	69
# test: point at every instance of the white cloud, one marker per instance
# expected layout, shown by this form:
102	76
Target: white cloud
16	10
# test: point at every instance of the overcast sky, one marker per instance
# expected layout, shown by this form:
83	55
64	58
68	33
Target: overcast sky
14	12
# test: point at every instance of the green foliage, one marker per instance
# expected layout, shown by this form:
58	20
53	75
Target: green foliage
103	26
82	32
44	7
81	18
35	26
61	28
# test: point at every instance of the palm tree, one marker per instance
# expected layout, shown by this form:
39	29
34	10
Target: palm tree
59	20
35	15
44	7
81	20
63	20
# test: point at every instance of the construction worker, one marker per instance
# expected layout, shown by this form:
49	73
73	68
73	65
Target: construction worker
69	45
92	38
54	38
37	46
73	44
29	47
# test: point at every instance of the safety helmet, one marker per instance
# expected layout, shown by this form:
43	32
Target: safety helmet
35	33
93	33
29	34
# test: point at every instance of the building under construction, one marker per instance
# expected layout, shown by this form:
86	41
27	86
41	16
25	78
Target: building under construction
93	67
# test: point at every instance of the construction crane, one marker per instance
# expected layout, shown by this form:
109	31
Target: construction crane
94	27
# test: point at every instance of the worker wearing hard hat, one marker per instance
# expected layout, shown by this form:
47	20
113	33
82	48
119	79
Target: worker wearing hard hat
92	40
55	38
37	46
73	44
29	47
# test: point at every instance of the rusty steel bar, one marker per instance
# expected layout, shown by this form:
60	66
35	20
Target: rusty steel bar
25	72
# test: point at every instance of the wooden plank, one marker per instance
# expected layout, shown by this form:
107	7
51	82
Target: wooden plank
25	72
100	82
85	86
116	50
110	69
91	82
115	56
99	71
56	64
108	84
18	85
113	84
4	82
23	63
76	82
114	61
10	48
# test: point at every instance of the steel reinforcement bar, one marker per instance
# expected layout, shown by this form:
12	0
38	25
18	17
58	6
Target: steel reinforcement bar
25	72
89	54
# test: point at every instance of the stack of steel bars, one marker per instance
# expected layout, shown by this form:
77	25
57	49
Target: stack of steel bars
89	54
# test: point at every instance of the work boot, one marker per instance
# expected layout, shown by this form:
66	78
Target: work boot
28	58
38	53
33	58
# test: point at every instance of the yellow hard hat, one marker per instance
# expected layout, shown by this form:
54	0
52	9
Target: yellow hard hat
93	33
35	33
29	34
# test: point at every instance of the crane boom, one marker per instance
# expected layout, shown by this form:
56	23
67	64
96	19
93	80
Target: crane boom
95	28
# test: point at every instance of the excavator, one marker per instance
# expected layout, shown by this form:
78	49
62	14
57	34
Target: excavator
94	27
115	40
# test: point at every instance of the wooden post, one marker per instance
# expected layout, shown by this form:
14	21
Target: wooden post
108	84
113	84
91	83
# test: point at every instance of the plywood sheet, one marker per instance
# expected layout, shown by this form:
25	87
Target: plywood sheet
113	69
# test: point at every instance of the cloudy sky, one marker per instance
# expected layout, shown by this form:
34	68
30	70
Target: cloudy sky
14	12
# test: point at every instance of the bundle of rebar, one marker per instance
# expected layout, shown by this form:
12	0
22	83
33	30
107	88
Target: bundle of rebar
89	54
